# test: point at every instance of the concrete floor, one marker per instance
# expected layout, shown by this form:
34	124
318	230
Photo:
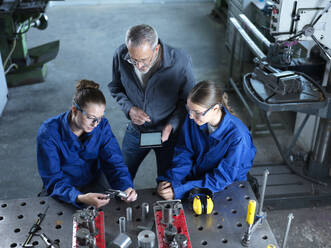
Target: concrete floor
89	35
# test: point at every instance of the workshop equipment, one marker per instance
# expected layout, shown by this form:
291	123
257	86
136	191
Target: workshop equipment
170	221
146	239
122	240
285	83
224	227
23	65
36	227
202	202
88	228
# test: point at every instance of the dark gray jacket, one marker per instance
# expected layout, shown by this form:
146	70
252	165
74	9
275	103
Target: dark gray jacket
165	95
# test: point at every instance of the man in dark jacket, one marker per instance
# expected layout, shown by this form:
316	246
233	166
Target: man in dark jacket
151	81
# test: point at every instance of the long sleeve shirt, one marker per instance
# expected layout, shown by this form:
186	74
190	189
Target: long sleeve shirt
65	163
213	160
166	91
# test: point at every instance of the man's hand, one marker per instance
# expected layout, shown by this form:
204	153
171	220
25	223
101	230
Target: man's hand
166	132
164	189
132	195
94	199
138	116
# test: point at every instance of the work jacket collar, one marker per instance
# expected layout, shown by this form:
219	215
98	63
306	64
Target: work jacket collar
222	128
167	55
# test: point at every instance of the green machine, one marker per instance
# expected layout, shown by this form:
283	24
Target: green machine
22	65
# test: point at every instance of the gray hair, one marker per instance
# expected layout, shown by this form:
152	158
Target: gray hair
138	35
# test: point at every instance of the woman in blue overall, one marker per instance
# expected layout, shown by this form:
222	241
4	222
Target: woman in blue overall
77	148
214	148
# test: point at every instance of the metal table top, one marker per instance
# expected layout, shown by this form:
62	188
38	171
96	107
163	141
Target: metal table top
223	228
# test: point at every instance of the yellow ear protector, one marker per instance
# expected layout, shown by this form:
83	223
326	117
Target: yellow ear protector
202	200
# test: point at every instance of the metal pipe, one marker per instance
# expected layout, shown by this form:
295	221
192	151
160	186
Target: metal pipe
121	221
265	178
144	210
255	31
290	218
129	214
255	49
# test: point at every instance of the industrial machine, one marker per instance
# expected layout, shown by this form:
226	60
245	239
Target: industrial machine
23	65
285	81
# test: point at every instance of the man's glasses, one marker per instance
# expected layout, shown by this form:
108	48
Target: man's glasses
145	62
196	113
92	119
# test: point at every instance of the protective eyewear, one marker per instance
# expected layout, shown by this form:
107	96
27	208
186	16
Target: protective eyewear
92	119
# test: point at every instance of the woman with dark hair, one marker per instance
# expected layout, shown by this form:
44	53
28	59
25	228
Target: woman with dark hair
214	148
77	148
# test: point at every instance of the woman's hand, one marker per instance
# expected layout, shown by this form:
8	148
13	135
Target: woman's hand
132	195
165	190
94	199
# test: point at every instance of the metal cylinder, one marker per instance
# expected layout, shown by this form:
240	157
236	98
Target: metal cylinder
144	210
254	48
122	223
167	214
146	239
128	214
121	241
254	30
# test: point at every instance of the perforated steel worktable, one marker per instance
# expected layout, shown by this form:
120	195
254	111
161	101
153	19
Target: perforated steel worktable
223	228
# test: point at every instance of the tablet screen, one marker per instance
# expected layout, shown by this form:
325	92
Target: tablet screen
150	139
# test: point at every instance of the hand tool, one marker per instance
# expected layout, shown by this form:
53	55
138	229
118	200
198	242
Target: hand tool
35	228
111	193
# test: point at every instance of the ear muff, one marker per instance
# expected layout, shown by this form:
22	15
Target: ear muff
197	205
209	205
202	201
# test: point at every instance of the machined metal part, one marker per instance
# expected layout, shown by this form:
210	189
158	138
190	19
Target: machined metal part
144	210
181	240
86	218
167	214
121	241
128	214
122	224
85	238
169	233
146	239
290	218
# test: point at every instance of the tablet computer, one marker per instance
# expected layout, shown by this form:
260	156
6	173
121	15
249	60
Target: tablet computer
150	139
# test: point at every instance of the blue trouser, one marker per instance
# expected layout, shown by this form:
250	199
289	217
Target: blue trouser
133	155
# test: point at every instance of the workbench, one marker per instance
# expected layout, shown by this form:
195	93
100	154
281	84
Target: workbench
223	228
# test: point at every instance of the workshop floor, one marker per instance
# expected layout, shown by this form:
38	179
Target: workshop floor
89	34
